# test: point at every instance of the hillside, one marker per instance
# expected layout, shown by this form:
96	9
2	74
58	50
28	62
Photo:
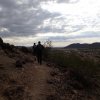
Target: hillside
78	45
21	77
63	76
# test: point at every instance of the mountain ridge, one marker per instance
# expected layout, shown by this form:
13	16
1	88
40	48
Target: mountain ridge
84	45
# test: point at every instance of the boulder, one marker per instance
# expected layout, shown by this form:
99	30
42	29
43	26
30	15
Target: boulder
19	64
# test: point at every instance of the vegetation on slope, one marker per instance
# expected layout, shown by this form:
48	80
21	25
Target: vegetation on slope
77	77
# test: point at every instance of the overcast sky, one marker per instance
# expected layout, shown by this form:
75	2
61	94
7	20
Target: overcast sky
23	22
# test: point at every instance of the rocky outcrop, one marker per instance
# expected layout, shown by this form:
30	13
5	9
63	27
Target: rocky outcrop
1	42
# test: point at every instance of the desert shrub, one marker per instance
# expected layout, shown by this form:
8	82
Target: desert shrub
76	73
47	49
46	53
74	61
7	46
24	49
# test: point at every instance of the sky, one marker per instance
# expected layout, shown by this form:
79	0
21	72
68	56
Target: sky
23	22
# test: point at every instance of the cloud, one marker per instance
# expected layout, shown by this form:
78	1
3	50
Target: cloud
70	37
23	18
70	19
67	1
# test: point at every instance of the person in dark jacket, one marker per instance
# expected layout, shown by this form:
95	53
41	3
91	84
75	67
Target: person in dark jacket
39	52
34	49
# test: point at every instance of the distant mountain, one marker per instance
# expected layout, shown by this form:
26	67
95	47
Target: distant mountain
78	45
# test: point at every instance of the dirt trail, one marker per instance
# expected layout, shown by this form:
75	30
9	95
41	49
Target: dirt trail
38	86
32	78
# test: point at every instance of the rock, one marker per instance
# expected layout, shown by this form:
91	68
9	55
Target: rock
51	97
1	41
2	68
14	93
19	64
50	82
53	73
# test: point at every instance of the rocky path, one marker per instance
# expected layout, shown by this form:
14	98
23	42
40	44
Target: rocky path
39	74
30	80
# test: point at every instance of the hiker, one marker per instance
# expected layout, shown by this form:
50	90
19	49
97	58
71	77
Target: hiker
39	52
34	49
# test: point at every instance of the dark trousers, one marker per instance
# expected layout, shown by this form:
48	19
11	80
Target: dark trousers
39	58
